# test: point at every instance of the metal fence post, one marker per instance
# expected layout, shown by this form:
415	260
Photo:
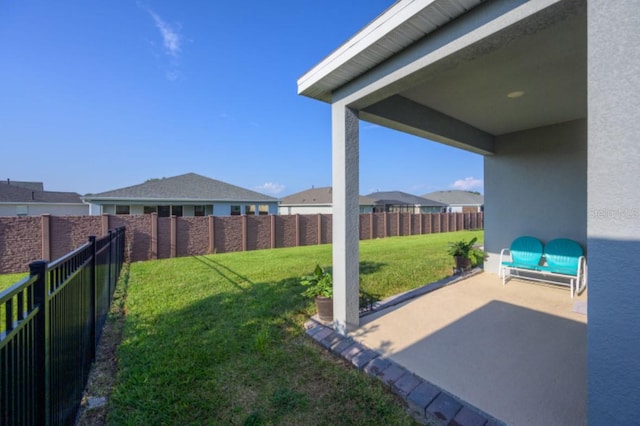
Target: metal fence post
92	298
109	260
41	299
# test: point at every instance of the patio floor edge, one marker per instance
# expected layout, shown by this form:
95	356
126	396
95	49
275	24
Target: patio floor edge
425	401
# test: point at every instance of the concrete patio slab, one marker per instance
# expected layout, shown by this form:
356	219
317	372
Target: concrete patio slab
516	352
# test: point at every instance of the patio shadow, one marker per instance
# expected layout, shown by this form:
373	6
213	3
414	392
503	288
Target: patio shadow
520	365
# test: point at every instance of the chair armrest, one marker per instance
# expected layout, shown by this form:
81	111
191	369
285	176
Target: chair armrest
503	253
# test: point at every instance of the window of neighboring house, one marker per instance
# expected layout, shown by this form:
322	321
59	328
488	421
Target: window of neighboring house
263	209
250	209
235	211
176	210
198	210
164	211
150	209
122	209
22	210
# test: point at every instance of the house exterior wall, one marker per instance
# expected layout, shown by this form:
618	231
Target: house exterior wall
37	209
218	209
536	185
467	208
613	334
284	210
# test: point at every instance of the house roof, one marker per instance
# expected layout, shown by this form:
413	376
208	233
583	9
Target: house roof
186	187
456	197
400	198
34	186
318	196
17	194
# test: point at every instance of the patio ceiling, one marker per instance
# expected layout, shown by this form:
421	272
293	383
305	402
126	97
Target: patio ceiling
459	85
548	66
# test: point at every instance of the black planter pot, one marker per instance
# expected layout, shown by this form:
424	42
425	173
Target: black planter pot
325	308
462	263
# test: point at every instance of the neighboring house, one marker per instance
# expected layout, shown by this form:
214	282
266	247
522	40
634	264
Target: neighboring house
315	201
184	195
30	199
548	92
458	201
397	201
34	186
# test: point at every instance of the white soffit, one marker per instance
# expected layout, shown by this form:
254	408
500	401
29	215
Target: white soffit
402	24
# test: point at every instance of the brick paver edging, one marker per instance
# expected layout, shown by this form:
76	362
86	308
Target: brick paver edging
425	401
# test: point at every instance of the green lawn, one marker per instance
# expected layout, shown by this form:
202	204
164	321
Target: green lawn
7	280
219	339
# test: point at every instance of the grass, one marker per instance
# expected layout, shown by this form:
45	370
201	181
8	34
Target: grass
7	280
219	339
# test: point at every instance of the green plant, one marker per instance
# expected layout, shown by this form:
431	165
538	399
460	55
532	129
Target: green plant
319	284
466	250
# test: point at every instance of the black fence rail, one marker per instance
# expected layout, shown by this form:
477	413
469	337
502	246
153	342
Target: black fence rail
51	323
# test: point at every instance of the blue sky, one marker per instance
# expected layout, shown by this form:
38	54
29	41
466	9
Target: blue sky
98	95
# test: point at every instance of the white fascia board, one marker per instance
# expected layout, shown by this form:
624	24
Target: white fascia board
384	24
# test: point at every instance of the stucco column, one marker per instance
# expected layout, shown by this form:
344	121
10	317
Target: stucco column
613	221
345	218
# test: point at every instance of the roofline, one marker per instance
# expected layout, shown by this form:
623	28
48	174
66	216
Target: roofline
386	24
42	202
317	204
173	200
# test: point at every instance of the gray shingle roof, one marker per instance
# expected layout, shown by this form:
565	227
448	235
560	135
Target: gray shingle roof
400	198
323	195
187	187
456	197
33	186
17	194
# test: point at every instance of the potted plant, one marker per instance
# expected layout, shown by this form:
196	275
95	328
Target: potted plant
320	287
465	254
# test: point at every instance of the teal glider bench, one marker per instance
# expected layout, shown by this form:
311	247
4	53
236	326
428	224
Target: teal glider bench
560	261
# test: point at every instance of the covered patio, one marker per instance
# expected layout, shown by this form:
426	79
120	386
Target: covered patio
516	352
547	91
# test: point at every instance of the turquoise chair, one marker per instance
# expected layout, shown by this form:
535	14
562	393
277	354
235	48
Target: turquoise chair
525	252
566	257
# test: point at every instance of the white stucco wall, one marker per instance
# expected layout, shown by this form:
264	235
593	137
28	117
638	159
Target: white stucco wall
37	209
614	213
286	210
218	209
536	184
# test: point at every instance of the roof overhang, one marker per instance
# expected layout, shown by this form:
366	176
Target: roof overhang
462	72
395	29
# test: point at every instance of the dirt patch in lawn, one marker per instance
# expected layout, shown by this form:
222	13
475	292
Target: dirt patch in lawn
102	377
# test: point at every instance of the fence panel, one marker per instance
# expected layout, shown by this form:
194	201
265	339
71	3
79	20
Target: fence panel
50	326
20	366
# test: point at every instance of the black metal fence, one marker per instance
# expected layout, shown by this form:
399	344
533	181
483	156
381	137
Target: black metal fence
51	323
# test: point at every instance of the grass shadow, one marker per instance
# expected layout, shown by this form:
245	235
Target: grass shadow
234	354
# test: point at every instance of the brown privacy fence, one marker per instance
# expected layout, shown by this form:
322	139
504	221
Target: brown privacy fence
25	239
